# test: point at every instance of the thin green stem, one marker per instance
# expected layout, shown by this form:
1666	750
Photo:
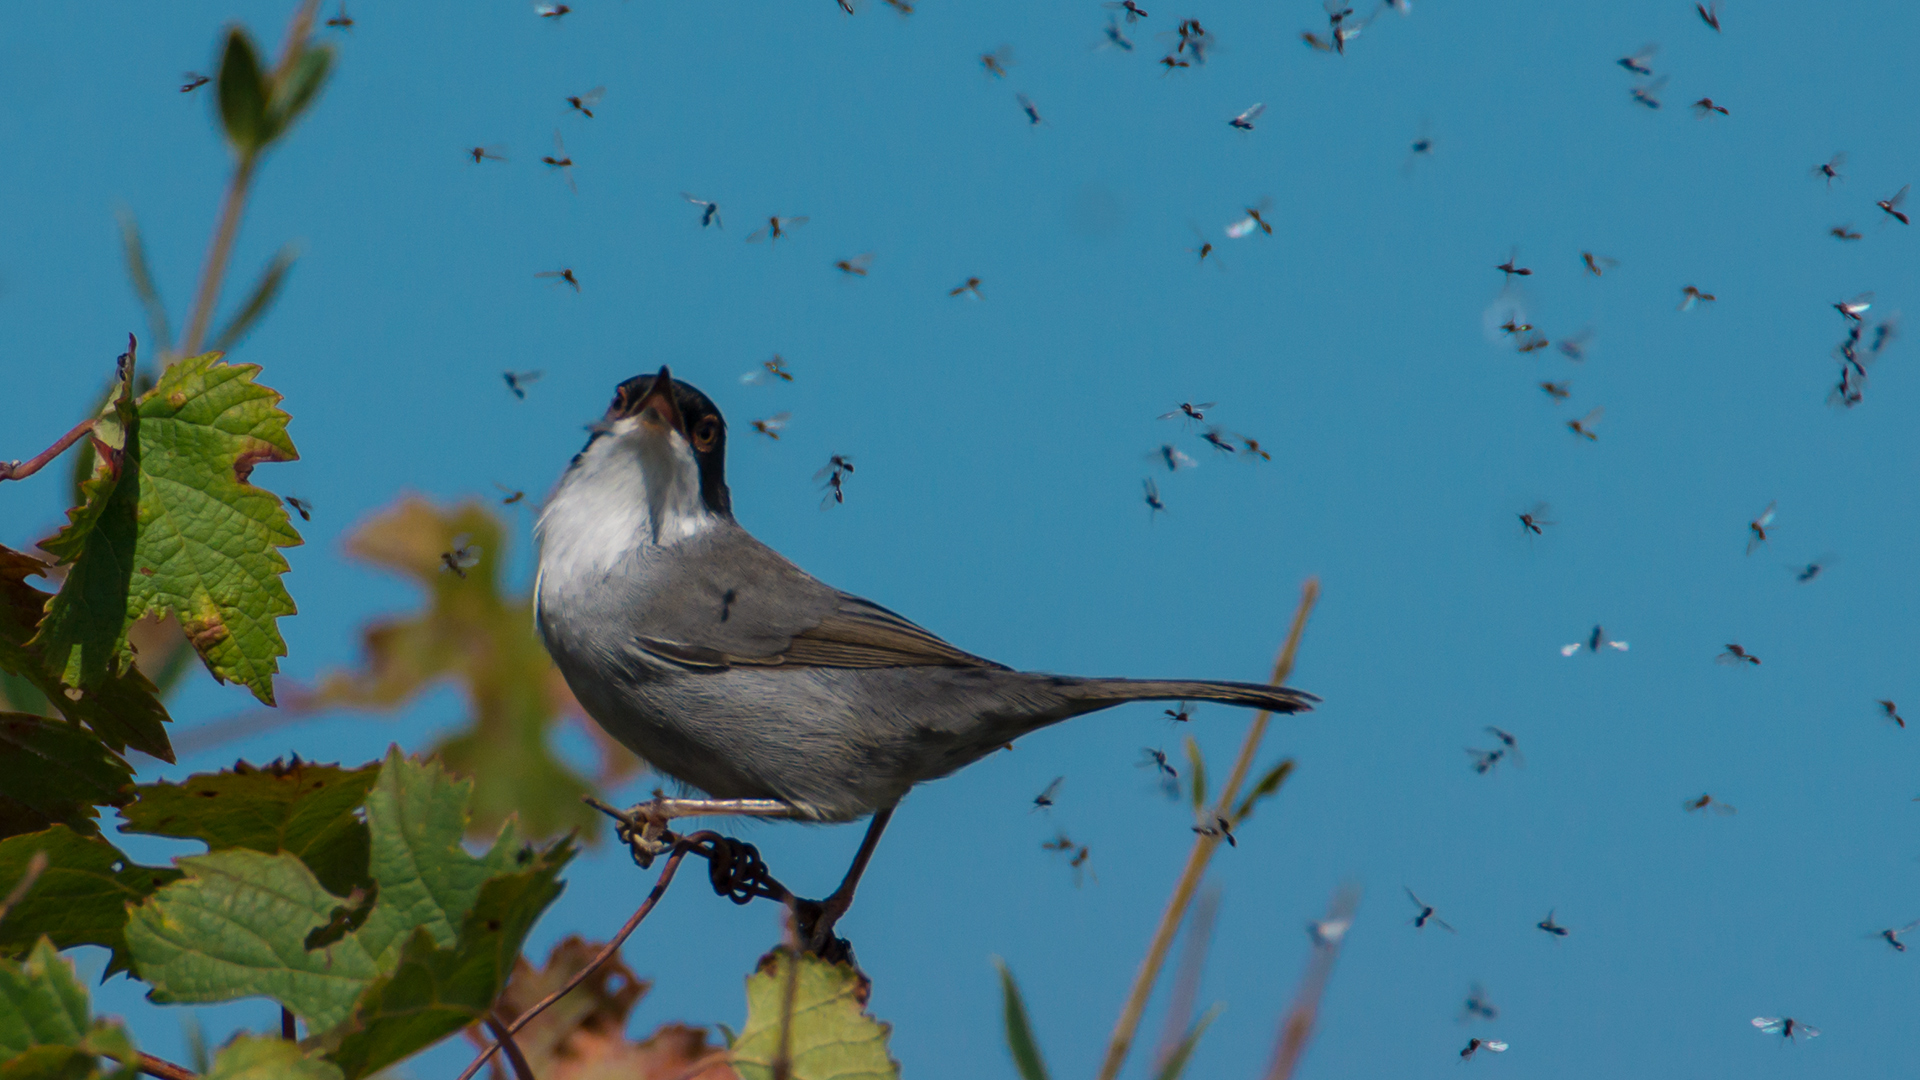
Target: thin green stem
1203	848
215	270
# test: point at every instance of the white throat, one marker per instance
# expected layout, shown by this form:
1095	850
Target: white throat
635	487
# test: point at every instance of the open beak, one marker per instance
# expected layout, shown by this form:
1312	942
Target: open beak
656	404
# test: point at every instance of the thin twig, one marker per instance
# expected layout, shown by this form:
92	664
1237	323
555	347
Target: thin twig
20	470
1203	848
35	867
504	1038
1297	1028
633	923
164	1069
1186	981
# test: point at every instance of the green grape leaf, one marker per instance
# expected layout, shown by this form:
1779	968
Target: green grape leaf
54	772
124	710
832	1038
475	634
303	808
236	926
47	1029
82	897
418	813
258	1057
434	992
178	530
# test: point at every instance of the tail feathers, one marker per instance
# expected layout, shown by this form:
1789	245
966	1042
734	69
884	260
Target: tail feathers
1278	699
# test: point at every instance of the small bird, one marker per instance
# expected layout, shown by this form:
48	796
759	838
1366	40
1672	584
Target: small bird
1552	927
1887	708
731	670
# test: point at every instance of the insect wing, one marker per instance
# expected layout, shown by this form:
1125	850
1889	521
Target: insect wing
1494	1045
1772	1025
1241	228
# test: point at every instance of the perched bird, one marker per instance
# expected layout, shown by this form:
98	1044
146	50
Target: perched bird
735	672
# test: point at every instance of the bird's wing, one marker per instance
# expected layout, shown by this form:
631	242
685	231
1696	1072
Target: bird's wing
724	600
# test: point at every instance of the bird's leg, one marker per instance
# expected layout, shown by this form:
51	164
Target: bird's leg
643	826
817	917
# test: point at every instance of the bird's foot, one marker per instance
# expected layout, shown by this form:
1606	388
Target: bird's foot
814	922
642	827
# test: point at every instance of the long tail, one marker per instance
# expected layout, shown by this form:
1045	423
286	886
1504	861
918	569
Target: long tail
1100	693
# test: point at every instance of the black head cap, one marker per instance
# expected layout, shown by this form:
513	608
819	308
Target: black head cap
692	414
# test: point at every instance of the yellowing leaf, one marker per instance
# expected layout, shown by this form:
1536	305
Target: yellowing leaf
583	1035
174	527
832	1036
255	1057
476	635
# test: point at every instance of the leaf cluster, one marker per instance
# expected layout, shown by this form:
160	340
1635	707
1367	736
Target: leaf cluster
342	894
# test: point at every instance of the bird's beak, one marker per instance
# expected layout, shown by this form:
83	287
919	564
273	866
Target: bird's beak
656	404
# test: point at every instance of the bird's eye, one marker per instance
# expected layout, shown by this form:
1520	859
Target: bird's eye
704	432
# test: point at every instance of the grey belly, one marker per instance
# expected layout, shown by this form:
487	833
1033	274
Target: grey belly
837	743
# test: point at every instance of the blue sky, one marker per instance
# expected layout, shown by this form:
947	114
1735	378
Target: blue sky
1001	445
